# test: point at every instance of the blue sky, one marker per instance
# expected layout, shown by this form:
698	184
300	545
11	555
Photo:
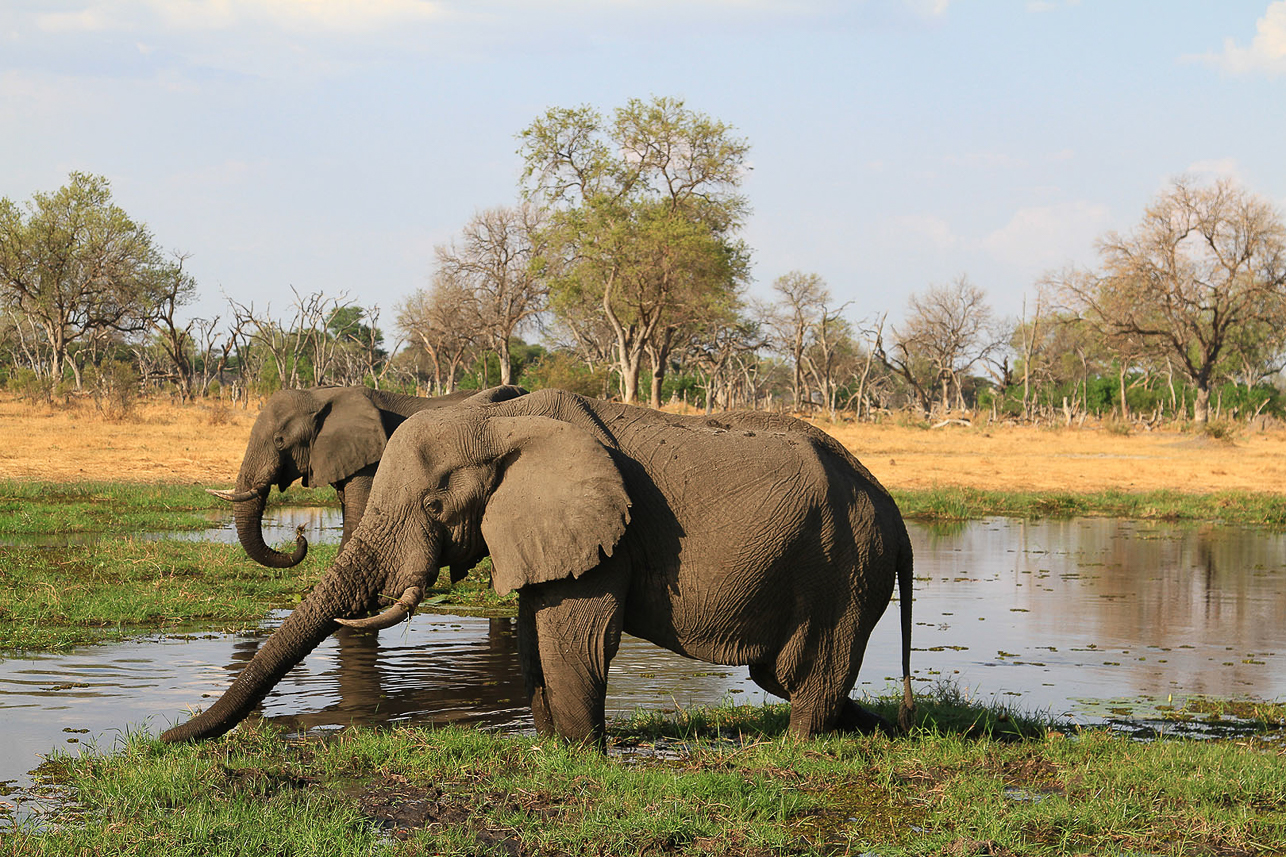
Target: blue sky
330	144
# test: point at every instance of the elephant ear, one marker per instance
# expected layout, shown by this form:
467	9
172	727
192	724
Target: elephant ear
560	505
350	435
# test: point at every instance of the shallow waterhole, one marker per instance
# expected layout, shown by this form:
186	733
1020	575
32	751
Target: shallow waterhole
1100	620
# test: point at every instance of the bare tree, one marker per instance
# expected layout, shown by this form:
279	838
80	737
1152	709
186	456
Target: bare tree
794	317
831	336
718	352
1205	268
500	258
441	321
175	288
948	330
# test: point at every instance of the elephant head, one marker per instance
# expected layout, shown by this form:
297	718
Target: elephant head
322	435
543	498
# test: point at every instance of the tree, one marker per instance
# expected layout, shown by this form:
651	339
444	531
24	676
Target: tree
501	259
795	317
176	288
947	331
831	337
1201	278
78	265
645	211
441	321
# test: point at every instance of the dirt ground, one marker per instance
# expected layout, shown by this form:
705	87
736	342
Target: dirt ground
203	444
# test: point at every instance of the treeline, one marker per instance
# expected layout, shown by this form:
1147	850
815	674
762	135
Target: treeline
622	258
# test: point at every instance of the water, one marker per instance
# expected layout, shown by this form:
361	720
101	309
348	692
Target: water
1092	618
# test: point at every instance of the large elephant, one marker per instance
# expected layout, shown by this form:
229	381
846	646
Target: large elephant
325	436
752	539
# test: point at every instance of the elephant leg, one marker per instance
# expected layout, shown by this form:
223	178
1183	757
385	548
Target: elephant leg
817	669
855	718
529	663
353	493
577	626
762	675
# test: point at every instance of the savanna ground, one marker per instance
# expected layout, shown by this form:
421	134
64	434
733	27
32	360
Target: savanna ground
968	780
203	444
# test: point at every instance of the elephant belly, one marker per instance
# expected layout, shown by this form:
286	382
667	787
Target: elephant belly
721	619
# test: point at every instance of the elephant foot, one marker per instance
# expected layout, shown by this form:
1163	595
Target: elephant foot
541	714
855	718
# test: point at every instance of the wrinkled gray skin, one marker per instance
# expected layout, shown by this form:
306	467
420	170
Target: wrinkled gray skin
749	539
325	436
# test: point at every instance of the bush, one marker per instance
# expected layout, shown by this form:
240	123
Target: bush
28	386
113	385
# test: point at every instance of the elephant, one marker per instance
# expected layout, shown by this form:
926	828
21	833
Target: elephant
752	539
324	435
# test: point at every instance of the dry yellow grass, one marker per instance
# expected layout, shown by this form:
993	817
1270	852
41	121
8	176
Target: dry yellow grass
1021	458
197	444
160	442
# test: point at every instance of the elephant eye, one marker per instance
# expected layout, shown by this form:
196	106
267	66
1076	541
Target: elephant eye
433	506
279	442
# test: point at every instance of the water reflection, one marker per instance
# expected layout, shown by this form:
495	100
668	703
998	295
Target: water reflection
1055	615
434	669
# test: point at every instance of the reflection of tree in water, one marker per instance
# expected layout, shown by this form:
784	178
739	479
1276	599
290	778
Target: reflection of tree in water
1177	605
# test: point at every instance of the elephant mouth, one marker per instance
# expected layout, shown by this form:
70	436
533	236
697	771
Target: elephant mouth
401	609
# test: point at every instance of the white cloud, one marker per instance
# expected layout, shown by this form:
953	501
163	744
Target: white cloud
928	8
326	15
1266	52
1048	236
925	228
1216	168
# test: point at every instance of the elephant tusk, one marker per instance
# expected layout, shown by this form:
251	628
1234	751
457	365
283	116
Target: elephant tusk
233	496
401	608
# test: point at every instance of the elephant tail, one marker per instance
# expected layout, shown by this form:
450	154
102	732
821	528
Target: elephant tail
906	580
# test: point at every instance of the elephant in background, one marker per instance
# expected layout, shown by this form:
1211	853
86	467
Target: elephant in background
753	539
324	436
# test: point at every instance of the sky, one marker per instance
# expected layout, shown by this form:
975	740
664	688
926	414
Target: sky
329	145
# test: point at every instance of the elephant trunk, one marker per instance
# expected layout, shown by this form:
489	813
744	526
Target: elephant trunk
248	515
348	588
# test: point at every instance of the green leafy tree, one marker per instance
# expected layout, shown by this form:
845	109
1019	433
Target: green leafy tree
645	211
76	264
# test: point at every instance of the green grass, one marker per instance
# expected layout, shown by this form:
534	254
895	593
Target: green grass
110	586
958	504
40	508
116	586
63	597
59	598
721	781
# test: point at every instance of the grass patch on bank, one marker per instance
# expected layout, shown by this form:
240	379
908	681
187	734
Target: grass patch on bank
44	508
57	598
960	504
718	781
